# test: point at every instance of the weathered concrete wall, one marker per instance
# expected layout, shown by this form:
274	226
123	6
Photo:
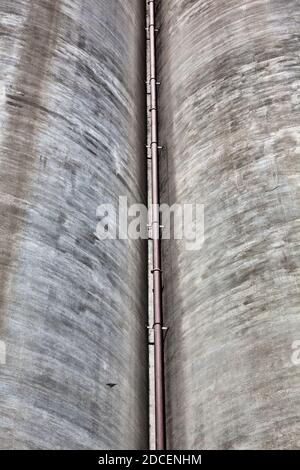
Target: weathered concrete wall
230	123
73	309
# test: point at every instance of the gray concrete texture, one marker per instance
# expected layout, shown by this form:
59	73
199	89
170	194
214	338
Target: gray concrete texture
230	124
73	309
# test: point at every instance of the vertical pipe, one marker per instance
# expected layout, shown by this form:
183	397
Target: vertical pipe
157	280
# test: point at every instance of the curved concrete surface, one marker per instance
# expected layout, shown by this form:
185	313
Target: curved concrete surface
73	365
230	124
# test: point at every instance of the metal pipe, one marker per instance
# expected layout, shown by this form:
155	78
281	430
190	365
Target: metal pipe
160	435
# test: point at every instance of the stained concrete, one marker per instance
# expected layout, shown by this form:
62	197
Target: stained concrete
73	308
230	123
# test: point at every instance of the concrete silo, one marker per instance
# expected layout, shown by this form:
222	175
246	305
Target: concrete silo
73	369
230	125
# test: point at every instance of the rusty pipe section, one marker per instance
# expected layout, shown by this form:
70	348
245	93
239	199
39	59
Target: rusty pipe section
156	271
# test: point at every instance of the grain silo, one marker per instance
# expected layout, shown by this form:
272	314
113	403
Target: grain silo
73	370
230	127
223	132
